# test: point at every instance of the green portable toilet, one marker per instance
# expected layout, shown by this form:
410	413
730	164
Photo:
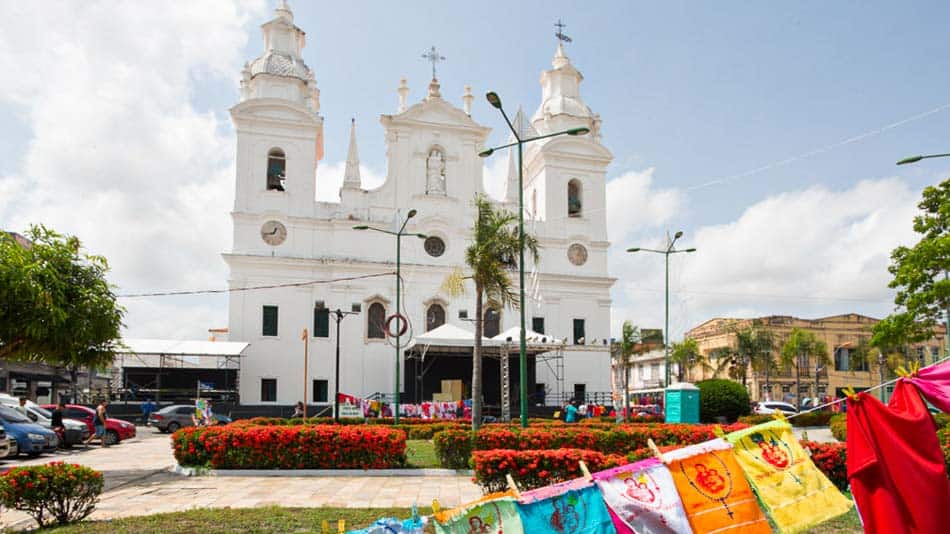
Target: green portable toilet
682	403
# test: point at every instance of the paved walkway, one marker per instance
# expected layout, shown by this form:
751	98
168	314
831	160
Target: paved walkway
138	482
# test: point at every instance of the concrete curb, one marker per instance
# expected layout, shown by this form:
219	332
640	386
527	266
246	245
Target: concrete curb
197	471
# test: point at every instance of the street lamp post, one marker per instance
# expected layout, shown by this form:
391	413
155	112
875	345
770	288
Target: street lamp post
338	314
666	329
495	101
399	318
946	312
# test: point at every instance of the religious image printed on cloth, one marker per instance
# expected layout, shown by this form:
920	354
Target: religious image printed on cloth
496	513
796	495
715	493
572	512
643	498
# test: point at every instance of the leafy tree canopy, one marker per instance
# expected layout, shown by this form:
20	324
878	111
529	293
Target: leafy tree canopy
55	303
920	273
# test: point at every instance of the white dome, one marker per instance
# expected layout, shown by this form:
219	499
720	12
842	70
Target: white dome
279	64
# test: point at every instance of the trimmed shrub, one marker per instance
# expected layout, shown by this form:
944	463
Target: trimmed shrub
755	419
819	418
831	459
291	447
453	448
839	427
53	492
534	469
722	398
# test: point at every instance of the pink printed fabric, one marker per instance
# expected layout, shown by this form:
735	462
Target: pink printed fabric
933	383
643	499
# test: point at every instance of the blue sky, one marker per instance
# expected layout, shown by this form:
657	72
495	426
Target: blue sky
689	92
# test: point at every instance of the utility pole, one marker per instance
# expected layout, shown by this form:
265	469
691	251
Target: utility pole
306	352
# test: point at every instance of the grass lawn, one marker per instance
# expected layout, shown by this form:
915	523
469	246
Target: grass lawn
281	520
421	453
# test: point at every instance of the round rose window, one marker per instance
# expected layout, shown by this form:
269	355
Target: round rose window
434	246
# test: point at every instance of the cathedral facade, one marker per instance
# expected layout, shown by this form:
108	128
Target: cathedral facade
316	261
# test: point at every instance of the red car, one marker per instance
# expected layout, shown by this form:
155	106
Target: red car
116	429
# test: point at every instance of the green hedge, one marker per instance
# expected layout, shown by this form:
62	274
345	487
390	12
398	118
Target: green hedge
839	427
454	448
722	398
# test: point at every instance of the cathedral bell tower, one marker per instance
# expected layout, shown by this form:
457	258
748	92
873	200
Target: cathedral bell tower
279	137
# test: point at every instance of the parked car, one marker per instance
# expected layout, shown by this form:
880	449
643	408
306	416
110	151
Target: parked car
171	418
31	438
4	444
768	407
14	447
116	429
74	433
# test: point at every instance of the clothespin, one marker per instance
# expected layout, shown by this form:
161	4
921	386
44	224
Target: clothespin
586	472
850	393
654	449
436	507
778	416
718	431
325	527
512	486
902	371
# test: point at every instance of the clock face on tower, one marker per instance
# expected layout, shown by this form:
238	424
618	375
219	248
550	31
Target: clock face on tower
273	233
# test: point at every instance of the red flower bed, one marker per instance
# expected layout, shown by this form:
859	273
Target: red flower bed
617	439
534	469
831	459
291	447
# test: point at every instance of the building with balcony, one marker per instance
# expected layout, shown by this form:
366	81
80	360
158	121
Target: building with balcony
844	335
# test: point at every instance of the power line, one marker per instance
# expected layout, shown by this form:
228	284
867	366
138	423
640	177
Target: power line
253	288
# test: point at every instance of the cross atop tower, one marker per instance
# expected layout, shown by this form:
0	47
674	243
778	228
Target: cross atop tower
433	56
561	36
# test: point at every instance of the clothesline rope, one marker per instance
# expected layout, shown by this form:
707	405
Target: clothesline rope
879	386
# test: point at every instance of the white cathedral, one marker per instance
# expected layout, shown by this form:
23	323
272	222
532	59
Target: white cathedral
284	236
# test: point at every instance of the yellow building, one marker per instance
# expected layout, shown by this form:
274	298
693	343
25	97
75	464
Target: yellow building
842	335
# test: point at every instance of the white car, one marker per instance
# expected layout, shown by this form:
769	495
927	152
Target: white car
769	407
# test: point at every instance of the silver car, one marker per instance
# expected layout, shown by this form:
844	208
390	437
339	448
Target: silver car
171	418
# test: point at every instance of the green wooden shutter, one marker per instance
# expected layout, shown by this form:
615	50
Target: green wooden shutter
321	322
269	321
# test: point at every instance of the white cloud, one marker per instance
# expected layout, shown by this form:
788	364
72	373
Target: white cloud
495	176
118	155
633	204
809	253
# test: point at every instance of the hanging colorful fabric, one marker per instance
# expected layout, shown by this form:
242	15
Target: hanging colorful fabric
572	507
715	494
796	495
642	498
495	513
895	465
934	384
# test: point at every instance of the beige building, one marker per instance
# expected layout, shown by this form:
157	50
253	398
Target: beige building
842	335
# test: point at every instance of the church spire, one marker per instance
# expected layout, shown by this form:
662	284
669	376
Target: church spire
351	176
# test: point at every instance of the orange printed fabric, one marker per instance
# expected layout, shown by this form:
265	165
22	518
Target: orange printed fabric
796	495
715	493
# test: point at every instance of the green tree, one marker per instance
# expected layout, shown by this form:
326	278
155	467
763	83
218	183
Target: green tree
626	347
491	256
685	355
802	347
754	346
920	273
57	306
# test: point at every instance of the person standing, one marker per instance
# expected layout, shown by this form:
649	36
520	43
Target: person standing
99	423
56	422
298	411
147	408
571	412
22	407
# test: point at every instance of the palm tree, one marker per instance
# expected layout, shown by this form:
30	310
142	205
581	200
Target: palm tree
801	346
753	348
491	256
629	338
685	355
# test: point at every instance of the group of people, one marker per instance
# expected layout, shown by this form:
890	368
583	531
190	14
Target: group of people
57	425
575	410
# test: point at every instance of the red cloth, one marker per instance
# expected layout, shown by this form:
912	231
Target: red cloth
895	465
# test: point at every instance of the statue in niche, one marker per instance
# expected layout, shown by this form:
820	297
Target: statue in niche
435	172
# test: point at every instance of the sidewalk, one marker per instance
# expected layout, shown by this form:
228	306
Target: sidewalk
138	481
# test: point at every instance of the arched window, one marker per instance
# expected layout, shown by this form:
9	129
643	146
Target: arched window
435	317
574	198
375	321
276	169
491	326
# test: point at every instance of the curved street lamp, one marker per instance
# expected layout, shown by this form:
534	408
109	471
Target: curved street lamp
666	330
399	234
495	102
